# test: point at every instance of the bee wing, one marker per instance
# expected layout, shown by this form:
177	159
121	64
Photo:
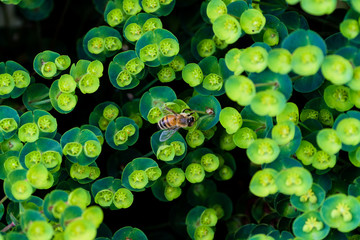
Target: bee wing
167	133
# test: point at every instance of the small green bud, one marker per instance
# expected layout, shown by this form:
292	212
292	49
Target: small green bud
138	179
62	62
120	137
96	45
29	132
89	83
48	69
172	193
115	17
195	173
112	43
7	83
210	162
165	153
123	198
21	79
110	112
67	83
153	173
179	147
92	148
130	129
67	101
175	177
72	149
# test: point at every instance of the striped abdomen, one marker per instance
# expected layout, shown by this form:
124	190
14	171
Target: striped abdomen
168	122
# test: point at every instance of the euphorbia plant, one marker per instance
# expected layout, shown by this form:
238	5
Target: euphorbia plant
259	99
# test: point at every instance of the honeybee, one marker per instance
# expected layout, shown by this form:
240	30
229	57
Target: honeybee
171	123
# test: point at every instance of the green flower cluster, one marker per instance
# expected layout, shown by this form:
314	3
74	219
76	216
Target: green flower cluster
248	99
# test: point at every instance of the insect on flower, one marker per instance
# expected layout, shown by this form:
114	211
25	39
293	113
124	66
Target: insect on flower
171	123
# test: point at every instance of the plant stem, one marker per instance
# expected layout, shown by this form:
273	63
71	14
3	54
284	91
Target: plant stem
304	126
296	78
267	84
259	128
253	121
39	98
148	154
3	199
266	3
41	102
12	224
145	88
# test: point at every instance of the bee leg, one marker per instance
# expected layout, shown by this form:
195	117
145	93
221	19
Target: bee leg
187	109
170	110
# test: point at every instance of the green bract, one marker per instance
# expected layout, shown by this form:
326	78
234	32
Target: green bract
337	69
215	8
310	225
244	137
323	160
283	132
328	141
232	60
311	200
102	42
39	177
306	152
279	60
354	83
348	130
240	89
45	64
318	8
80	229
195	138
263	182
157	47
80	146
306	60
252	21
268	102
341	212
337	97
227	28
121	133
254	59
264	150
230	119
294	180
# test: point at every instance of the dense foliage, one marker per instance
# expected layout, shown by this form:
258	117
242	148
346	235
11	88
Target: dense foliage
270	94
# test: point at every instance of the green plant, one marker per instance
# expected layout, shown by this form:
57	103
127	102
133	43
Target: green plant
270	90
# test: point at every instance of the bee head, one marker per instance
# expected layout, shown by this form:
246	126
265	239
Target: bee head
191	121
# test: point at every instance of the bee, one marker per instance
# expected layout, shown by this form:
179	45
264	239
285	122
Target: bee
171	123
